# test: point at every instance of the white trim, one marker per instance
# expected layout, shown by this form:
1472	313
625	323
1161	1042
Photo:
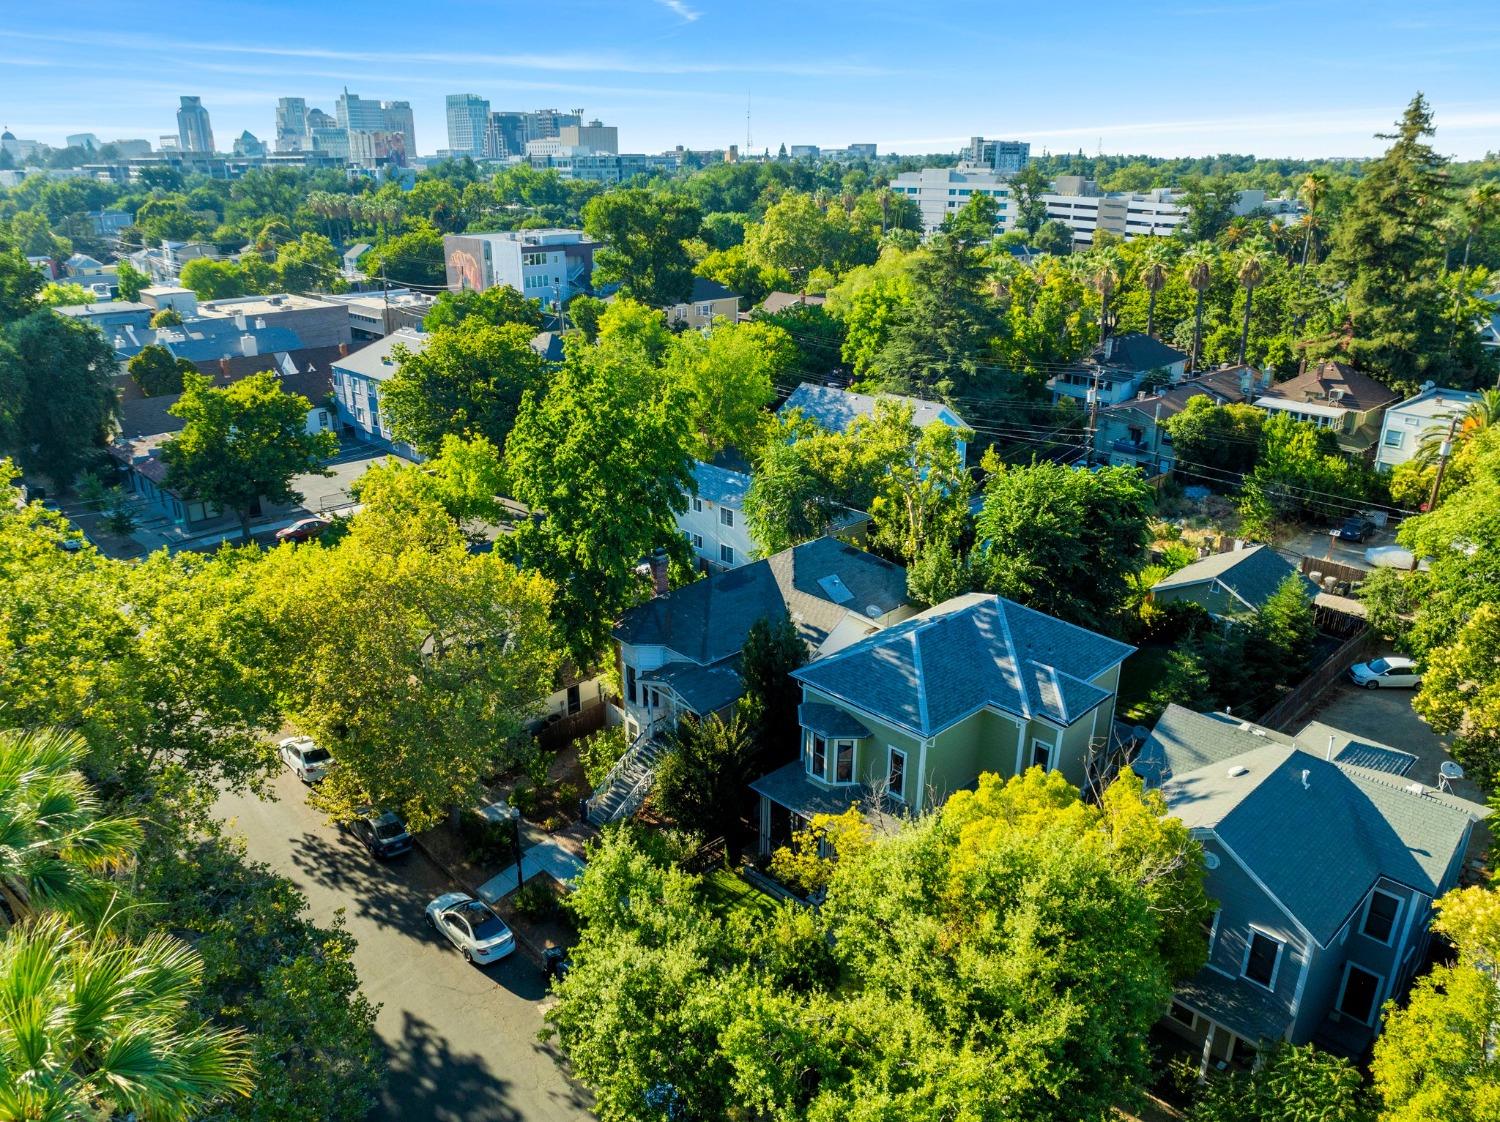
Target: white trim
1051	764
1213	931
922	774
1364	919
1235	594
1269	986
1020	744
1375	1002
1249	872
891	751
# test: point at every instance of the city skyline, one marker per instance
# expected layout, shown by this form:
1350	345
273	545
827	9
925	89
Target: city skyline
673	72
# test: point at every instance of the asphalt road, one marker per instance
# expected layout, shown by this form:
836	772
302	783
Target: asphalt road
461	1040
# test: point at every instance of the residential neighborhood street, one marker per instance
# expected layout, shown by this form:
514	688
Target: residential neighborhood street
461	1040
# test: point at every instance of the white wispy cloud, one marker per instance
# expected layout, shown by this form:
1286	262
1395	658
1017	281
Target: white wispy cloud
558	62
679	9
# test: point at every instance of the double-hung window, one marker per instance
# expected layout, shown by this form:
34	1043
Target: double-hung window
1380	916
843	761
895	782
1262	957
817	757
726	516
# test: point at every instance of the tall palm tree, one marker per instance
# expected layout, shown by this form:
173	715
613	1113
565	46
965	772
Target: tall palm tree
1314	190
53	841
1153	272
1104	272
1198	271
101	1028
1252	272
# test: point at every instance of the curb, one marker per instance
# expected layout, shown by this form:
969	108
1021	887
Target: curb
524	942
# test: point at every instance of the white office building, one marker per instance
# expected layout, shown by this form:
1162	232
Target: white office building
547	265
1004	156
1074	201
1424	418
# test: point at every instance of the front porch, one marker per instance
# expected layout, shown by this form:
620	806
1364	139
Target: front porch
789	800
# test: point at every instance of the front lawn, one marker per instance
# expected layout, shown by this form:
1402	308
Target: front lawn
726	892
1140	675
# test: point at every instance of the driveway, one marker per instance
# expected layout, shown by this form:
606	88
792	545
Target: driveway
1325	547
461	1041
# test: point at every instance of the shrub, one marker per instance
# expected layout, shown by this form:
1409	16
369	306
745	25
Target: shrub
600	751
486	842
536	899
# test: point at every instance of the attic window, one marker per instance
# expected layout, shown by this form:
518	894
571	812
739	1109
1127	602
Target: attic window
835	588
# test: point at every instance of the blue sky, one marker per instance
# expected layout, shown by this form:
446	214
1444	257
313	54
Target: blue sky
1168	77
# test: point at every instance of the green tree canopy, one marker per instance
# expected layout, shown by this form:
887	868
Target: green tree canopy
495	306
412	660
57	377
1040	937
642	232
603	460
157	371
242	443
466	381
728	377
1062	540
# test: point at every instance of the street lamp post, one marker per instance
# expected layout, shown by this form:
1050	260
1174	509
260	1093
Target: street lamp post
515	841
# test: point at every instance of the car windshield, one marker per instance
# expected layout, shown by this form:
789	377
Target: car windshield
1380	666
486	924
315	755
389	828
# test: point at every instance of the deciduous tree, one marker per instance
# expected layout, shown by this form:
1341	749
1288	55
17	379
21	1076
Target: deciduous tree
243	443
642	233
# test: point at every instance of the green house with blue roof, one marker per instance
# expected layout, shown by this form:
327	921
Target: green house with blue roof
1230	587
900	720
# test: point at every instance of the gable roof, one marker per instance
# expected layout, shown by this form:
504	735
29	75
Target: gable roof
1360	392
720	485
705	290
708	620
836	410
1252	575
1224	386
780	301
311	376
1317	833
375	360
1137	352
970	653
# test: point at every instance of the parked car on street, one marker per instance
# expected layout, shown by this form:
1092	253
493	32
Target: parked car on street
307	761
1355	528
382	832
478	933
303	531
1391	672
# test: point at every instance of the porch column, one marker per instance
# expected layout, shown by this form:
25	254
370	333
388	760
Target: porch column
1208	1047
763	842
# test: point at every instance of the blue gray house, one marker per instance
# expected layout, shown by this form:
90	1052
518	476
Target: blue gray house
1324	858
1231	586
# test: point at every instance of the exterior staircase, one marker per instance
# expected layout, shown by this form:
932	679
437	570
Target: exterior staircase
624	789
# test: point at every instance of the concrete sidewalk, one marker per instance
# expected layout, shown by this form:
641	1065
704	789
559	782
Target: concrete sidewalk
551	857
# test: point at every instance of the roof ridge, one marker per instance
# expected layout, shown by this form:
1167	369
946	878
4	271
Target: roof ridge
1000	603
916	661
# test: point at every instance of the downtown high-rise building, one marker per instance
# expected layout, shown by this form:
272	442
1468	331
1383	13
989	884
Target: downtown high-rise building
194	133
291	124
468	123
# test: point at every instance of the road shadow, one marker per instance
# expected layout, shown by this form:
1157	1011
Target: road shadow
391	894
427	1079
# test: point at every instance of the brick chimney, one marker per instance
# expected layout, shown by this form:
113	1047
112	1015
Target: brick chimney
659	572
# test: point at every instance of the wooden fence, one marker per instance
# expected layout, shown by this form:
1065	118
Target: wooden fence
557	732
1285	712
1335	569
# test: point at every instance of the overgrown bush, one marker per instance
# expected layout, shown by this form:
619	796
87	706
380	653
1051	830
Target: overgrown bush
486	842
600	751
536	899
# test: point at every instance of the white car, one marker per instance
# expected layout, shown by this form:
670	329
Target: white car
1391	672
478	933
307	761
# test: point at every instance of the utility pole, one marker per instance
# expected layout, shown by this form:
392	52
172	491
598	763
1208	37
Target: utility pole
385	300
1444	451
1088	453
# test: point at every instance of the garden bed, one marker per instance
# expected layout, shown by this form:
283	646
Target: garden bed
537	914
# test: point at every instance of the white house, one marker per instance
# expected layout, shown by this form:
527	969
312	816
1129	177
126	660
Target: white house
1407	423
547	265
